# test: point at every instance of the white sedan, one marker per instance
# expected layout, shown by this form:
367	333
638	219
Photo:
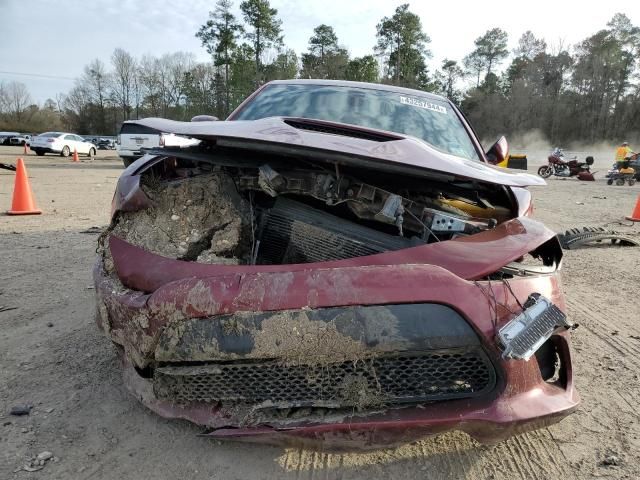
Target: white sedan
61	144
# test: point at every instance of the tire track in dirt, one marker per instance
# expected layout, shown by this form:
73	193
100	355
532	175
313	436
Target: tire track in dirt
532	455
594	321
606	367
454	455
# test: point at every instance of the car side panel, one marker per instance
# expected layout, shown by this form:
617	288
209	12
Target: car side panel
84	147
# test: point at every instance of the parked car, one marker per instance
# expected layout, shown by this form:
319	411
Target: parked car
62	144
5	137
21	139
134	138
104	143
337	262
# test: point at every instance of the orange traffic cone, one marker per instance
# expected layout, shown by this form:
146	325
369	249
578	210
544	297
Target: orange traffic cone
23	203
75	155
26	149
635	216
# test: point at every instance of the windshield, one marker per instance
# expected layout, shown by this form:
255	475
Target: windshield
427	118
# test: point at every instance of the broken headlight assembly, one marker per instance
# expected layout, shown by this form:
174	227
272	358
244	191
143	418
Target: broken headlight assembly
525	334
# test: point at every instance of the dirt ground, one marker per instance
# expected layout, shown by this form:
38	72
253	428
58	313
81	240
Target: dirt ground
53	357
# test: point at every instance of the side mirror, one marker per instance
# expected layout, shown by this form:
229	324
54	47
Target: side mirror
499	151
204	118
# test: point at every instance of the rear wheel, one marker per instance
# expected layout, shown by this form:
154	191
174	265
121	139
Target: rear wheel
545	171
632	181
65	151
620	181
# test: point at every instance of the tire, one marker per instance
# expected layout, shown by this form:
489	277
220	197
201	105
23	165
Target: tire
65	151
620	182
610	181
545	171
92	152
632	182
40	153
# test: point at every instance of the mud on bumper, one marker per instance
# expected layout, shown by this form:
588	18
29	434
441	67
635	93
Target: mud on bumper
349	356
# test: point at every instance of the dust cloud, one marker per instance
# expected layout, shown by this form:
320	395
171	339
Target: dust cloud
537	147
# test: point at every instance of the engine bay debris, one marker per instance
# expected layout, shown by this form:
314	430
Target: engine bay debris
275	214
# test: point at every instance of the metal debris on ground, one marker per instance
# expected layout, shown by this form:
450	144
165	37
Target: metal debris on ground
44	456
93	230
38	462
576	238
8	166
611	460
20	410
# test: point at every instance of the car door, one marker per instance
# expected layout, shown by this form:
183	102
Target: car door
77	144
83	145
68	140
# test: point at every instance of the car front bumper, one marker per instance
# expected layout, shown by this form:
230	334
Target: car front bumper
520	400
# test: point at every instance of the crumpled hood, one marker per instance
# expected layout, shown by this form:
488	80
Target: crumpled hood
388	152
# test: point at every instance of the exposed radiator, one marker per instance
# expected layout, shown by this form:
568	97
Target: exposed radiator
292	232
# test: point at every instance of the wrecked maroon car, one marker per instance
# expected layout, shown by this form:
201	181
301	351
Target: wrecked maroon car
335	263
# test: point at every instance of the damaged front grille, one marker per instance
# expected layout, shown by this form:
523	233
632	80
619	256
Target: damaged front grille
387	380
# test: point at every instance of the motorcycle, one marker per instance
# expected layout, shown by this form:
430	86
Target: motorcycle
634	162
561	167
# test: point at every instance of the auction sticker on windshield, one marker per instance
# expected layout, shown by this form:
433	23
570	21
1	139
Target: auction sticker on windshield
416	102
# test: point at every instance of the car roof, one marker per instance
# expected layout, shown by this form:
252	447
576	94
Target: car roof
347	83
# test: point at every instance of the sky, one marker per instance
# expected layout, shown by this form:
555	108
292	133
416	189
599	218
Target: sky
46	43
